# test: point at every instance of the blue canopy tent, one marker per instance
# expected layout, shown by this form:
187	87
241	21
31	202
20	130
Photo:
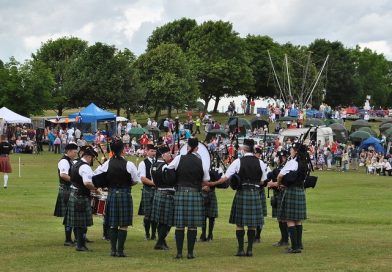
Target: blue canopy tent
372	141
93	114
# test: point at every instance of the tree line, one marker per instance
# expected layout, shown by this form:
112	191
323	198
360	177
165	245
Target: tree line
185	61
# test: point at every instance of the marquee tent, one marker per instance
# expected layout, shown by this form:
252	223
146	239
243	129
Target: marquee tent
12	117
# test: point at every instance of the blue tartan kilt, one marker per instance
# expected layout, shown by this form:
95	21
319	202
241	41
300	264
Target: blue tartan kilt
211	208
247	209
79	213
163	208
293	204
278	198
119	208
188	209
62	201
145	206
263	202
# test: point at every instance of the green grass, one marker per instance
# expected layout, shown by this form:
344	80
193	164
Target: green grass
349	229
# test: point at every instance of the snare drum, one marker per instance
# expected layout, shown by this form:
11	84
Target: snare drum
98	204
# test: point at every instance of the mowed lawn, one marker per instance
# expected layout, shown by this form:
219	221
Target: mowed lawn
349	228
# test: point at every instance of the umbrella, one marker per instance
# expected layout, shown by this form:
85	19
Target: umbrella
359	136
241	123
333	121
214	132
388	132
152	129
259	123
137	131
386	122
340	132
384	127
337	127
358	124
314	121
286	119
367	129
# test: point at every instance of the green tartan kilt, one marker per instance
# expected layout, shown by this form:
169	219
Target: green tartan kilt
119	208
211	208
278	198
62	201
79	213
145	206
293	205
188	209
247	209
163	208
263	201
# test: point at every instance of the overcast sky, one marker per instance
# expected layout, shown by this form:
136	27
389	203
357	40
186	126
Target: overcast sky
25	24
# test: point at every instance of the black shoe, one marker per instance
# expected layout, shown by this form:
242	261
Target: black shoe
178	256
88	241
190	256
165	245
280	243
69	243
121	254
106	238
257	240
147	237
202	238
113	253
159	247
249	253
293	251
83	248
153	237
240	254
210	237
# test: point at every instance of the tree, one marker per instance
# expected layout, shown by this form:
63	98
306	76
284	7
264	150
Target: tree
58	55
176	32
167	77
219	62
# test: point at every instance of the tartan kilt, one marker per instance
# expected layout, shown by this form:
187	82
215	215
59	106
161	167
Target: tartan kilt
119	208
189	209
62	201
278	198
263	202
247	209
75	217
293	205
211	209
163	208
5	165
145	206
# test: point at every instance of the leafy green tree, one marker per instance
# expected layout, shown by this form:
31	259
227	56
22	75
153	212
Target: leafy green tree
167	77
58	55
218	59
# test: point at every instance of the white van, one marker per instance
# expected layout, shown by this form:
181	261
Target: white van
323	134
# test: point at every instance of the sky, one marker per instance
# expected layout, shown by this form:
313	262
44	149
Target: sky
26	24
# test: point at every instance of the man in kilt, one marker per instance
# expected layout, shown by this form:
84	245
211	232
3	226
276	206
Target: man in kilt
118	175
188	201
64	172
276	199
79	213
163	203
293	206
5	165
148	192
258	153
247	209
211	212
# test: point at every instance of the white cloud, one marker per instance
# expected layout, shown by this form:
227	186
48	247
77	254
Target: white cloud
381	47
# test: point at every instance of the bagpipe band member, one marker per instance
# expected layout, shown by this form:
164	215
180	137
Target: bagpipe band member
5	165
163	203
64	172
119	175
148	192
276	199
79	213
246	209
211	212
191	177
258	154
293	205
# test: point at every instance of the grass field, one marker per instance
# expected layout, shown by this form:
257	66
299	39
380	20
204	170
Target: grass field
349	228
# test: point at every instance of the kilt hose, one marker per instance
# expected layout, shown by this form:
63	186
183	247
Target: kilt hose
119	208
62	201
293	205
189	209
263	201
145	206
277	195
247	209
163	208
211	208
79	213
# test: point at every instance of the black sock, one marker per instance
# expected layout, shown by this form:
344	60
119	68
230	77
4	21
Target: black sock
113	238
240	238
179	240
191	239
258	232
204	229
161	234
211	227
293	237
79	237
68	234
283	232
122	236
153	229
167	230
147	223
299	236
251	233
74	232
105	231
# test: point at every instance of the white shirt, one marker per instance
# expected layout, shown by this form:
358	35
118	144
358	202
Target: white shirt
174	165
291	165
234	168
63	166
131	169
142	168
86	173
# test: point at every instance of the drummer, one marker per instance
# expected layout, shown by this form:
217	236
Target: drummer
5	165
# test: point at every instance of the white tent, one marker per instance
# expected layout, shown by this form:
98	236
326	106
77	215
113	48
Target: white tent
11	117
